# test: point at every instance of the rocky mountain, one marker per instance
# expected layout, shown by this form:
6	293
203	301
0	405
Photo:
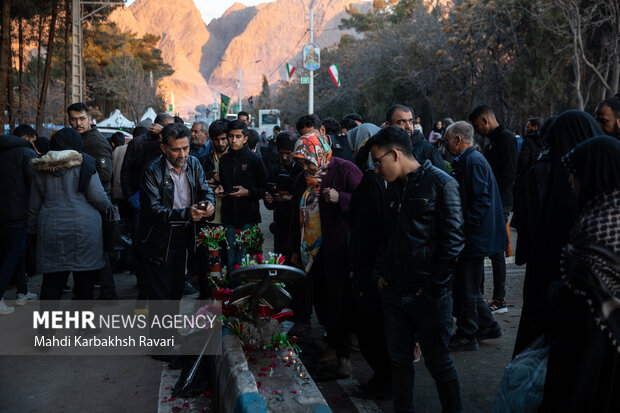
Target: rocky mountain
256	40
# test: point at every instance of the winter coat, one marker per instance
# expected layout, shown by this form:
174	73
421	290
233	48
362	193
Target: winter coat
423	232
483	216
139	153
157	214
501	153
422	150
242	168
67	222
97	146
15	177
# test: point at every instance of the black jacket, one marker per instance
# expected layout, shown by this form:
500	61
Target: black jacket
284	177
156	199
242	168
15	177
502	152
341	148
97	146
140	152
422	150
530	151
423	234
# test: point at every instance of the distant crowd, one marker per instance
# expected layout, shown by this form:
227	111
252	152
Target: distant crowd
391	228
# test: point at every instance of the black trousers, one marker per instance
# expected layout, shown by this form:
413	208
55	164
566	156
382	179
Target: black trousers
166	279
54	282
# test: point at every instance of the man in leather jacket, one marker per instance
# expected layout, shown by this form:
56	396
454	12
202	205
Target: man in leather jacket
174	196
422	240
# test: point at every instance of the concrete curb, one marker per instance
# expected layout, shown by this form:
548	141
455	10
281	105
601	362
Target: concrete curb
235	386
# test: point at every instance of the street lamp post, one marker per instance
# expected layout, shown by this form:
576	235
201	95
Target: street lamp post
240	77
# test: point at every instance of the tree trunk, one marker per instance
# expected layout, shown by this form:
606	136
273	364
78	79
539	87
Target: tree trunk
5	55
39	41
46	74
577	74
20	72
68	25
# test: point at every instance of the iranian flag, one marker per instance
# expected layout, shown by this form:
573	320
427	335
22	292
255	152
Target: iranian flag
290	69
333	72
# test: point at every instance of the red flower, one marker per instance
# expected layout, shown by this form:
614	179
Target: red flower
261	374
264	369
272	365
238	231
293	340
237	266
185	405
258	384
294	391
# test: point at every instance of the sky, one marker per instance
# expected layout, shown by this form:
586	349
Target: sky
211	9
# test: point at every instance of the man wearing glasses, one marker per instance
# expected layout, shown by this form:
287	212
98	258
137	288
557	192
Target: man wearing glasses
422	239
402	116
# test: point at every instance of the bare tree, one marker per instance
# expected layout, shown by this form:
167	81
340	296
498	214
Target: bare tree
5	58
67	88
46	74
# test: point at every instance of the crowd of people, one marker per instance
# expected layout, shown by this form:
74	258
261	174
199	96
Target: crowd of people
387	224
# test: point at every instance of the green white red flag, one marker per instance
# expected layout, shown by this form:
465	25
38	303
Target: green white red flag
333	72
290	69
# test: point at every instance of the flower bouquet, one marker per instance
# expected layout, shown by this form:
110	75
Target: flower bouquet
258	259
211	237
250	240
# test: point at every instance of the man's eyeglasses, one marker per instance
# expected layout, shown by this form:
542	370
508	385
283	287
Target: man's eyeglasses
377	161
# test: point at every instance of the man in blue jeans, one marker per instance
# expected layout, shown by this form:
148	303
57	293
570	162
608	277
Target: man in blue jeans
419	248
485	235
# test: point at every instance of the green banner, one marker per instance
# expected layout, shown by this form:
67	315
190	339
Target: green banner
224	107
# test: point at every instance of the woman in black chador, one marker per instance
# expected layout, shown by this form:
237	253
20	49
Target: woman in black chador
583	371
556	217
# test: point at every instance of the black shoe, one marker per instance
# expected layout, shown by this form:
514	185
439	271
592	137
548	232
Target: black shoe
189	290
461	343
489	333
300	330
376	388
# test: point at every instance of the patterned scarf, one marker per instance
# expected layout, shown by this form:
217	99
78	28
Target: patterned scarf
312	148
591	261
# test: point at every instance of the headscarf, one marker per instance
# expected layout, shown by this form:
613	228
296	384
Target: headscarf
312	148
596	165
358	137
70	139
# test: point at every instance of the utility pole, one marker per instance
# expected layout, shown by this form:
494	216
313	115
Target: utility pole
311	80
77	68
240	104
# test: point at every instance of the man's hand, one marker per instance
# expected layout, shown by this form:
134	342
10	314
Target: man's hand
219	191
209	211
268	198
295	260
330	195
155	128
283	196
195	213
381	283
241	191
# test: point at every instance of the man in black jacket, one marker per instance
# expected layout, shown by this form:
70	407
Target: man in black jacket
501	153
402	116
15	178
174	195
243	184
422	240
280	195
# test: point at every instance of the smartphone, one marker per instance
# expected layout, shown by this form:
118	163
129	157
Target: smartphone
272	188
202	205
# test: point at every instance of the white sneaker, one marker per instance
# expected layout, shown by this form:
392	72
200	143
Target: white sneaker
5	309
22	299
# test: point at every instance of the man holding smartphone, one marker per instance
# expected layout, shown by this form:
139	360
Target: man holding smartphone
243	184
279	190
